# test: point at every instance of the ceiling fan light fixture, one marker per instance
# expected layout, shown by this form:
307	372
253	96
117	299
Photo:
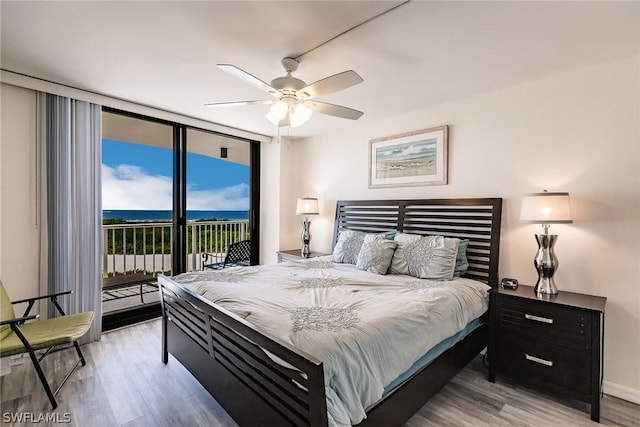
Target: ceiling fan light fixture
279	110
295	100
294	120
273	119
299	114
296	117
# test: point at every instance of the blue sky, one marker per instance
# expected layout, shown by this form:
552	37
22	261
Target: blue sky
136	176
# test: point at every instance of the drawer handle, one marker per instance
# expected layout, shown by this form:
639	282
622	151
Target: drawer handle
538	360
538	318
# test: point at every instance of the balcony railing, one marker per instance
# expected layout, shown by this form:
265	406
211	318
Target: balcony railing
145	247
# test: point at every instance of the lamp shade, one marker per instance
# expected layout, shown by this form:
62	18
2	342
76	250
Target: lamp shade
546	208
299	114
307	206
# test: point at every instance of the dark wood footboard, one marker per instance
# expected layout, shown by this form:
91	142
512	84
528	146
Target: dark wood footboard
225	354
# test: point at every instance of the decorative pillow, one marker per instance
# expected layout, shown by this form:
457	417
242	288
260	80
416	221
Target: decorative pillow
462	264
389	235
376	253
426	257
348	246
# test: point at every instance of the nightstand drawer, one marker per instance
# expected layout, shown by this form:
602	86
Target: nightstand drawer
522	356
565	327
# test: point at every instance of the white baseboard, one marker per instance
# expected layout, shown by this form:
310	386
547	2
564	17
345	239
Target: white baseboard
621	392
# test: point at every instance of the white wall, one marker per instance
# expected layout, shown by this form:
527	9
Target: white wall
19	235
270	153
277	179
577	132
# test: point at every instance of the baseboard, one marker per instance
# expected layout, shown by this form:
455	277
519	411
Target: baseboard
621	392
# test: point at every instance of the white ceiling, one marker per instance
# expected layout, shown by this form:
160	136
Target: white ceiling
164	54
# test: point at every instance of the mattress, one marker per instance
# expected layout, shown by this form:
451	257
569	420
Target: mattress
431	355
367	329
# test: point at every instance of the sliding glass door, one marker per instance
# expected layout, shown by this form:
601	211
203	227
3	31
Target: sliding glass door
172	195
137	193
218	195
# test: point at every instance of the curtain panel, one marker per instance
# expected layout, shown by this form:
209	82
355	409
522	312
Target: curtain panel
72	205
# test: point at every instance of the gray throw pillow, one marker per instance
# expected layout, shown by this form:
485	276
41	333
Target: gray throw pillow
375	254
425	257
348	246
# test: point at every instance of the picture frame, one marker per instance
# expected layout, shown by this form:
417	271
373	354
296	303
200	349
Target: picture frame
409	159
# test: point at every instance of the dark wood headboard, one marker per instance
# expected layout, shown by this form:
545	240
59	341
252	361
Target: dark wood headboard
475	219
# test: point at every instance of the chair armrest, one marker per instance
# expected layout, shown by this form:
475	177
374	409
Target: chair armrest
19	320
207	255
41	297
54	300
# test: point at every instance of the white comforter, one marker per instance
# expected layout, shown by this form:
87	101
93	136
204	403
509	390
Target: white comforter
367	329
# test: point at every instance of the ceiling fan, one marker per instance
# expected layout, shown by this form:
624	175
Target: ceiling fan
293	100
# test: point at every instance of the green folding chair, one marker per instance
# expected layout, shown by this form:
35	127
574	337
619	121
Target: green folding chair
23	335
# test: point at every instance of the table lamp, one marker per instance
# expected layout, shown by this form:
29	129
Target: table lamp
546	208
306	206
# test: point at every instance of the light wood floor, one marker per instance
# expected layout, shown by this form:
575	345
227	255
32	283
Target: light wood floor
126	384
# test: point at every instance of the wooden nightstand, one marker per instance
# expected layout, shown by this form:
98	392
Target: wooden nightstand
295	255
554	342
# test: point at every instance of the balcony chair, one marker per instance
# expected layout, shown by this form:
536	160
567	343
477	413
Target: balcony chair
239	253
18	335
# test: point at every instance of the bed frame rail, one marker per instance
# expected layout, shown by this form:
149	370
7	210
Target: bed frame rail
231	347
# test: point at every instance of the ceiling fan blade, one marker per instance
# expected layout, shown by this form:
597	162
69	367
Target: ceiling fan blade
330	84
252	80
240	103
334	110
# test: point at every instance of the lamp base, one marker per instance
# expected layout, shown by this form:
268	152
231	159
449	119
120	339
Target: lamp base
305	252
306	238
546	285
546	264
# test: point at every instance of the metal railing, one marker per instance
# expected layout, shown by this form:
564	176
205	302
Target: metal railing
145	247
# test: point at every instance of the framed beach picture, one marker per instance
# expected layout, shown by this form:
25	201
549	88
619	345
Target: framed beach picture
409	159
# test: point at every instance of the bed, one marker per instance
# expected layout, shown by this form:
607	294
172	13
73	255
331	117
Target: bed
260	377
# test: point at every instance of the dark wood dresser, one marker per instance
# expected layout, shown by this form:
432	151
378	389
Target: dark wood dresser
552	341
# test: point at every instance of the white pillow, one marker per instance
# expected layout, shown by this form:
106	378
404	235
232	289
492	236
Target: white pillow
348	246
375	254
426	257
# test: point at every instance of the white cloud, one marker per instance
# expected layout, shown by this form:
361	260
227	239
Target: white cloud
234	198
130	187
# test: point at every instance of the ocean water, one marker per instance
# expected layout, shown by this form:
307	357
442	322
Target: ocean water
140	215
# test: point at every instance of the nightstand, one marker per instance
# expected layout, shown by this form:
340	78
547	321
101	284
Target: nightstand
553	341
295	255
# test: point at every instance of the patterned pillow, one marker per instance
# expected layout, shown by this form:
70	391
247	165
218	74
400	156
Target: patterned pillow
426	257
376	253
348	246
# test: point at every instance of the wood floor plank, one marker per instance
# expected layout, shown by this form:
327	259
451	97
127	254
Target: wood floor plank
145	421
85	400
124	396
125	384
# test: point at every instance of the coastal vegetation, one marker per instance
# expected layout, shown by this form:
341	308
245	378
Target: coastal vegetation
154	237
